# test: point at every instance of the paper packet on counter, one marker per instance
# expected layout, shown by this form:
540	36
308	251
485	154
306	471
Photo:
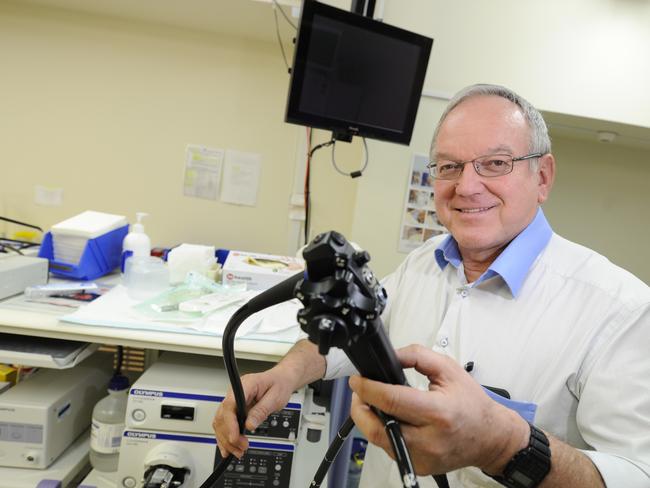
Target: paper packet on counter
197	297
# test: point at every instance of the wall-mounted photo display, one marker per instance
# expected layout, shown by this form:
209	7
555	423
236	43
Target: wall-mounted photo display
419	219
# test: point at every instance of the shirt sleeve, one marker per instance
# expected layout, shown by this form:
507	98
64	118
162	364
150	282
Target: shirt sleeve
613	412
619	472
338	365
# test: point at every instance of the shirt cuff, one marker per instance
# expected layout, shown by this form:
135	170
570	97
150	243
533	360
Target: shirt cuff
338	365
619	472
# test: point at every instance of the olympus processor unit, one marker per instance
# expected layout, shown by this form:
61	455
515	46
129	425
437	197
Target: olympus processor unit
169	436
42	416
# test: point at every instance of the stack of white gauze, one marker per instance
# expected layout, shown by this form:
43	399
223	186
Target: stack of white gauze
69	237
191	257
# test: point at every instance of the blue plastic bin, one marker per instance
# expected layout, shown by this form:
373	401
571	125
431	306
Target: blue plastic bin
100	256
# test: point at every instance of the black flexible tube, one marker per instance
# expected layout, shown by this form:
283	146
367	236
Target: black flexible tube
211	481
277	294
119	361
332	452
402	458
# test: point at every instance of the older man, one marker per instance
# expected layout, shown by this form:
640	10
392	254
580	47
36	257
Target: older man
551	324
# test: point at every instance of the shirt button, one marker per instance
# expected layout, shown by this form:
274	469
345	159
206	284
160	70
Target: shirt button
444	342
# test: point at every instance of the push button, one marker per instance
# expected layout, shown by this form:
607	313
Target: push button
463	291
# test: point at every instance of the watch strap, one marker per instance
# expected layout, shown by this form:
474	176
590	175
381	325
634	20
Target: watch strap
529	466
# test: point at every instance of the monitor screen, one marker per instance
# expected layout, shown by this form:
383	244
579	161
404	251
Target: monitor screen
356	76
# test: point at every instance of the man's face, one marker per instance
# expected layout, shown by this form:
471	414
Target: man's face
485	214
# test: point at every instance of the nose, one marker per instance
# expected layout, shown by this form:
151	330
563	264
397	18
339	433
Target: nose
469	182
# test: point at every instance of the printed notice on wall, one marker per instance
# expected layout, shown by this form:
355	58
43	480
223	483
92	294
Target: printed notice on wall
202	172
419	219
241	178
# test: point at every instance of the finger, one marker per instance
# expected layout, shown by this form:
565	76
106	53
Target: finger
238	446
370	425
226	430
403	402
238	449
226	422
427	362
259	412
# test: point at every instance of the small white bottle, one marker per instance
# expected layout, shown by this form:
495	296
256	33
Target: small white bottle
136	242
107	426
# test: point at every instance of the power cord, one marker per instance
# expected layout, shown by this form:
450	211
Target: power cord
307	191
276	7
275	2
352	174
277	33
11	248
18	222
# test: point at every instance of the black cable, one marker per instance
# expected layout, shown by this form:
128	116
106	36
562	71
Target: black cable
18	222
277	33
279	293
306	189
407	472
211	481
275	2
332	452
352	174
120	360
402	458
331	142
11	248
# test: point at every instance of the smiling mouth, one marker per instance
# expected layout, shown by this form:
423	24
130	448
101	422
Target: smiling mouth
474	210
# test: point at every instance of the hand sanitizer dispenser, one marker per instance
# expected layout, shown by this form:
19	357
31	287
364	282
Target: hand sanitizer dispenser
136	242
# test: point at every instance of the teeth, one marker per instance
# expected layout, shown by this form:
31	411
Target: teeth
473	210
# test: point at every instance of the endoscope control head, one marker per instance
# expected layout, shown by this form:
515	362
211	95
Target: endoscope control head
340	293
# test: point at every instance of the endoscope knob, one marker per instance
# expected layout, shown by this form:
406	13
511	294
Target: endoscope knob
331	331
338	238
361	257
325	335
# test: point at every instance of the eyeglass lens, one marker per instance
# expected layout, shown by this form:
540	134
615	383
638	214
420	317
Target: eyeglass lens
494	165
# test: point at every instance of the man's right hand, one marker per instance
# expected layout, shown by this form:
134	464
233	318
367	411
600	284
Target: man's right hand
265	393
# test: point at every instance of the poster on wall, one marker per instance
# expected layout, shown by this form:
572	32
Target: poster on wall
419	219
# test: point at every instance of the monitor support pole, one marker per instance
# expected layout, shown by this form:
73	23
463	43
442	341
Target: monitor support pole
363	7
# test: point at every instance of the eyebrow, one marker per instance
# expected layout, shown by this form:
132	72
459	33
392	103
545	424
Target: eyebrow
500	149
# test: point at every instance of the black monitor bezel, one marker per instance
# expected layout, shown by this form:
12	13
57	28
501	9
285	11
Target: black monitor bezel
342	128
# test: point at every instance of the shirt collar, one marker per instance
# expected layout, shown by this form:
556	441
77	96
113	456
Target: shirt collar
515	260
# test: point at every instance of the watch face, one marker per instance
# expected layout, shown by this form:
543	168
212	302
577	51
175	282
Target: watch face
521	478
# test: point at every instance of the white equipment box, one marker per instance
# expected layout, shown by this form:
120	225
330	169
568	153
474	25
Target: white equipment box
169	429
64	472
43	415
18	272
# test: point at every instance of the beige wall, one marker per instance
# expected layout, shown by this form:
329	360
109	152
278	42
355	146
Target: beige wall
601	199
103	108
581	57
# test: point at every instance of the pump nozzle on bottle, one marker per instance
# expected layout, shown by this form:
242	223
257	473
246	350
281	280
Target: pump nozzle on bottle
136	243
139	226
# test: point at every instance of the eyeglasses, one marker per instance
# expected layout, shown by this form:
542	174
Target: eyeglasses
488	166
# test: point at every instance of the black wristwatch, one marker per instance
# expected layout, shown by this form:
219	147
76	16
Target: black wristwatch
529	466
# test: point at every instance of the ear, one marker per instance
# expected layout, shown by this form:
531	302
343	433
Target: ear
545	176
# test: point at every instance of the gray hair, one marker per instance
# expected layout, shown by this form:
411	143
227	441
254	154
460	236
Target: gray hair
539	139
